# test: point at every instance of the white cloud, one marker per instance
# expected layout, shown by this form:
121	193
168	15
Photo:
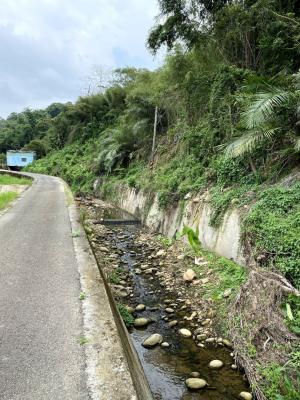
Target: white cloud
49	46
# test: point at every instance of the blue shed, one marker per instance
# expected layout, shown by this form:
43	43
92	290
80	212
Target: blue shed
15	158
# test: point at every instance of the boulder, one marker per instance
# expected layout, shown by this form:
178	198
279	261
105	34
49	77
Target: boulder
195	383
189	275
153	340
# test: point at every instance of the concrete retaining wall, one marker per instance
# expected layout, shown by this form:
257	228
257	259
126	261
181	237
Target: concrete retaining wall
194	212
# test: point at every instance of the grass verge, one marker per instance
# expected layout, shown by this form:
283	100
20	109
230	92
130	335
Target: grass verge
6	198
13	180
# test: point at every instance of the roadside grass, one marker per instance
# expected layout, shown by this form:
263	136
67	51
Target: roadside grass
12	180
6	198
82	340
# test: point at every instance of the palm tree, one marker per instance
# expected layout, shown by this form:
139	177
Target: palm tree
272	115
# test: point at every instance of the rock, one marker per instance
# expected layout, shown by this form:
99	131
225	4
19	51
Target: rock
172	323
206	322
161	253
152	308
202	336
140	307
192	316
187	196
181	257
195	374
233	366
210	340
204	281
195	383
140	322
198	260
196	200
227	293
153	340
138	271
216	364
103	249
169	310
227	343
185	332
245	395
189	275
165	344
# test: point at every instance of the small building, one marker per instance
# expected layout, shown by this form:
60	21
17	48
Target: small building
19	159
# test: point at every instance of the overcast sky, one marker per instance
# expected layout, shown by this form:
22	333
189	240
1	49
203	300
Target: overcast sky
50	47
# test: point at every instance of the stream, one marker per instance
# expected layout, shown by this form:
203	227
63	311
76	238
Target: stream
166	368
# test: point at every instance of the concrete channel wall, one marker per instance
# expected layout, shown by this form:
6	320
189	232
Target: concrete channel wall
195	212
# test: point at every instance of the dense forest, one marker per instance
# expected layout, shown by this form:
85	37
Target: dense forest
228	120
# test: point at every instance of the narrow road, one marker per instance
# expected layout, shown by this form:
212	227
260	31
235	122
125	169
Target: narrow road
40	314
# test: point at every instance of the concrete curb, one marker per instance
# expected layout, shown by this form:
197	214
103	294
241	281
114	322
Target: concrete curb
113	367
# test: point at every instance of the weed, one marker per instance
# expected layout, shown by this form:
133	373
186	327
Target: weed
114	277
165	241
126	316
75	234
6	198
82	340
82	296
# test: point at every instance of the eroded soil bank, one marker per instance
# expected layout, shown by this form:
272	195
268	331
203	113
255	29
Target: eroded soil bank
145	271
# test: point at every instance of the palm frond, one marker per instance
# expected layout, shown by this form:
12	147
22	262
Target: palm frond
263	107
248	142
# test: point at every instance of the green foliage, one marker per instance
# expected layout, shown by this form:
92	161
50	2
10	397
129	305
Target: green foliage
193	238
229	275
292	310
6	198
278	384
126	316
114	277
272	227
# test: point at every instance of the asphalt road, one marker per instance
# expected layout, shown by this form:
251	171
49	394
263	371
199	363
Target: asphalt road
40	314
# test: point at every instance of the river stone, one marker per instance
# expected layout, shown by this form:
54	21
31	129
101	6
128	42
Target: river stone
233	366
189	275
169	310
172	323
185	332
195	383
140	322
216	364
202	336
245	395
161	253
153	340
227	293
195	374
140	307
130	309
227	343
103	249
165	344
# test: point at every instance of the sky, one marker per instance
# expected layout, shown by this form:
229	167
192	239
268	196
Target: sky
51	50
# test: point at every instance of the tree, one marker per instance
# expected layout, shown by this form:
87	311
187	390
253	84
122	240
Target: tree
270	116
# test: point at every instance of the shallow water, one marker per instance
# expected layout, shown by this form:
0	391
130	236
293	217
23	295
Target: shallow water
167	368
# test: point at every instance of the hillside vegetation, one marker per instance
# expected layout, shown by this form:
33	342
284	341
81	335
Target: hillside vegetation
228	99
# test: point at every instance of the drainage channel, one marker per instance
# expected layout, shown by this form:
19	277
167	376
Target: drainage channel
166	368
